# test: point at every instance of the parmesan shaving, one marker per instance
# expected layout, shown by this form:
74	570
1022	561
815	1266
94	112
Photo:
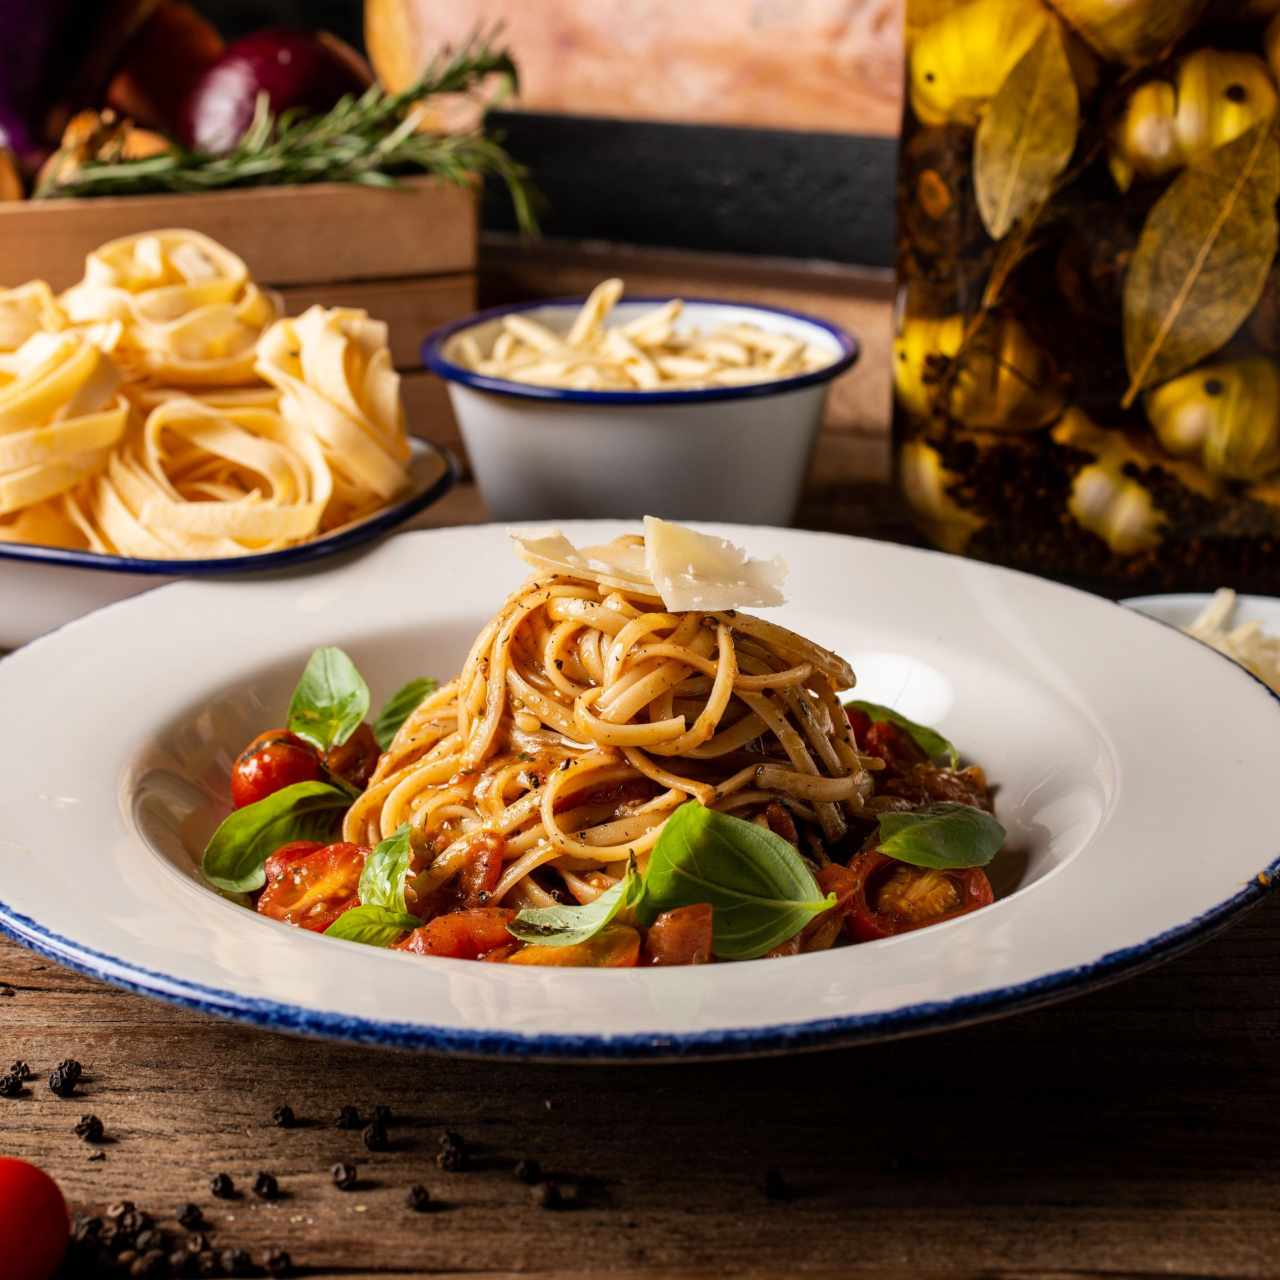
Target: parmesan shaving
1247	644
687	570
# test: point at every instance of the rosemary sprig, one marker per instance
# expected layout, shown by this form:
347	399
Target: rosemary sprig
370	139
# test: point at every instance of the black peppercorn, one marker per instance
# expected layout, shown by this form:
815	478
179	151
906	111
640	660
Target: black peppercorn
382	1114
208	1264
71	1068
197	1242
21	1069
126	1258
344	1176
151	1265
221	1186
236	1262
775	1185
85	1228
277	1262
547	1195
452	1159
117	1211
189	1216
133	1220
148	1239
180	1263
529	1171
375	1137
10	1085
89	1129
265	1186
283	1118
418	1198
349	1118
61	1083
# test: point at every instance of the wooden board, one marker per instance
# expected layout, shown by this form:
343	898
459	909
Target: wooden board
287	235
1129	1133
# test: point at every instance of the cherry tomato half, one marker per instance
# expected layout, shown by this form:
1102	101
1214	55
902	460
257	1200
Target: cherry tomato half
680	936
34	1225
272	761
356	759
479	878
310	885
891	897
461	935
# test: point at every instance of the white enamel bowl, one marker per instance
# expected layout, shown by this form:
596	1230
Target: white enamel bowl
42	588
1125	844
724	453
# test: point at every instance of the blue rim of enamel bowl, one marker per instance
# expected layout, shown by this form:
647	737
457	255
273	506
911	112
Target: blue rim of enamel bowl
434	359
318	549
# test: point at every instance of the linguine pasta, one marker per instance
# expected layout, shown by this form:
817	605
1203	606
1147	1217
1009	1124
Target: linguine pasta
160	408
587	713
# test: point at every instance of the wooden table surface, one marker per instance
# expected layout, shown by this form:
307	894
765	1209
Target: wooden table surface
1133	1131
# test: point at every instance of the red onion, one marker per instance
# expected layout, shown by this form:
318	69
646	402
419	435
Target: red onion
303	69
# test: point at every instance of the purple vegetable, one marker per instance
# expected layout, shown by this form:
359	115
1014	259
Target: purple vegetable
303	69
32	36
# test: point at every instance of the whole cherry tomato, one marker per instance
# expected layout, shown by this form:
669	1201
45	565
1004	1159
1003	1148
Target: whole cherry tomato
461	935
34	1225
273	760
310	885
890	897
356	759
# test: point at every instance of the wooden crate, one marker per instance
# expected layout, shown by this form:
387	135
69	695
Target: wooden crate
406	255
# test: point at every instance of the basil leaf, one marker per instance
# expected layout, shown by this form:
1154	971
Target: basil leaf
758	884
399	707
928	740
941	836
374	926
382	880
248	837
331	700
566	926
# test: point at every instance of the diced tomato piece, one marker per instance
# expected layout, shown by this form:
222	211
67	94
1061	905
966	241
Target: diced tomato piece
680	936
891	897
479	878
310	885
461	935
617	946
272	761
781	823
822	931
356	759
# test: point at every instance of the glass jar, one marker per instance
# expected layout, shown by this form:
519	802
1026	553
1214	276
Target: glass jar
1087	351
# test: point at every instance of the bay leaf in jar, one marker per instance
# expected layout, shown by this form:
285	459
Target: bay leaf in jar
1027	135
1202	260
1131	31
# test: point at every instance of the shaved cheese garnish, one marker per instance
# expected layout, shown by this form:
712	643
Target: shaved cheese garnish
1246	643
687	570
694	570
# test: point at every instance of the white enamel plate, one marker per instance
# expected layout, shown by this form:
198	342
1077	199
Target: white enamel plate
1135	770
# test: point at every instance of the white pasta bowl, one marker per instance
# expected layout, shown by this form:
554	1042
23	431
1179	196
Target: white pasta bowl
43	588
1125	845
735	453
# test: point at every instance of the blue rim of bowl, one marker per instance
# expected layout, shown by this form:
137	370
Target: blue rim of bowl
433	358
318	549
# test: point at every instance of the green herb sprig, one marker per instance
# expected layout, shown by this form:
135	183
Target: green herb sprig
369	139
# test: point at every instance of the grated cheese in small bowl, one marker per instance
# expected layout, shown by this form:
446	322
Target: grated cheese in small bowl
1250	646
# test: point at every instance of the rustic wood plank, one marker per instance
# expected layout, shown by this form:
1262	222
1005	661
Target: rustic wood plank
1130	1132
287	235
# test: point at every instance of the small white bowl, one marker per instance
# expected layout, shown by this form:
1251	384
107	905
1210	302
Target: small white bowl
44	588
722	453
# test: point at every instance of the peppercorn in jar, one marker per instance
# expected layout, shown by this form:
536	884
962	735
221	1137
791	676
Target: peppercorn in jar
1087	358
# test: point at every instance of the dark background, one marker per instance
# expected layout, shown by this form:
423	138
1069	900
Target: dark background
236	17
